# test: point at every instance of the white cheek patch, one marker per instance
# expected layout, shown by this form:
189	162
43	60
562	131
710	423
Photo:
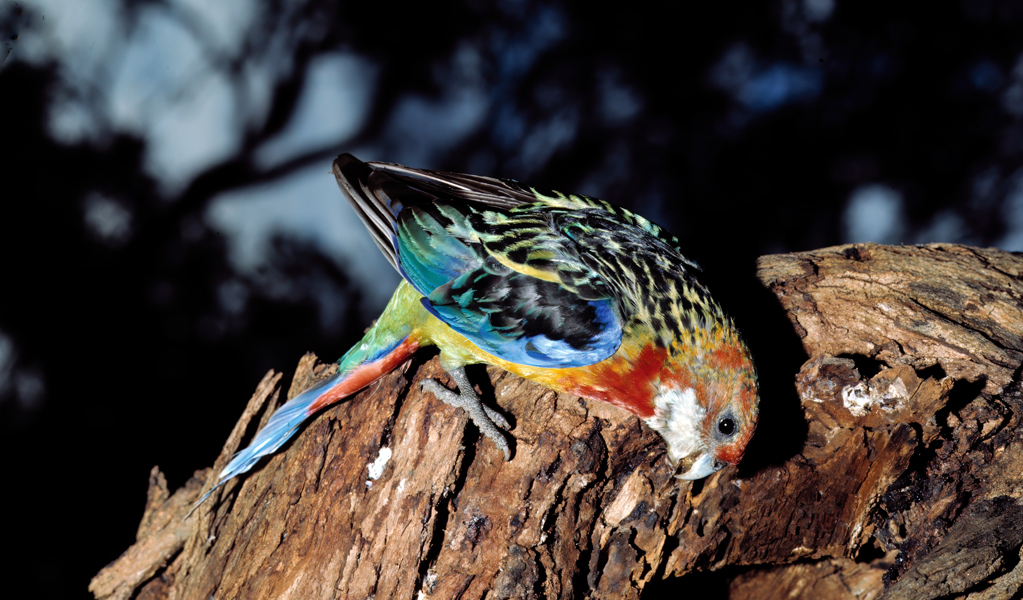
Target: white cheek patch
678	417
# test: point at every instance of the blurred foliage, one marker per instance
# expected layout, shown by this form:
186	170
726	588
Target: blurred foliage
742	127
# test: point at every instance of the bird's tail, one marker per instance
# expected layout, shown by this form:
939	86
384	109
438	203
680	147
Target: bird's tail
385	346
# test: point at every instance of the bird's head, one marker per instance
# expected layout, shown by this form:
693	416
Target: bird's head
706	408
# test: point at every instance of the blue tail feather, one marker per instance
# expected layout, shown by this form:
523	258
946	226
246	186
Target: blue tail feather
379	341
278	430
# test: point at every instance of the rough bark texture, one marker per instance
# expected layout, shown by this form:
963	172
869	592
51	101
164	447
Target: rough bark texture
906	480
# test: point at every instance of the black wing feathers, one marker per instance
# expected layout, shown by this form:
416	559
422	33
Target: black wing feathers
499	193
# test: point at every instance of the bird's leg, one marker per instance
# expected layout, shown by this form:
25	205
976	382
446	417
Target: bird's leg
489	421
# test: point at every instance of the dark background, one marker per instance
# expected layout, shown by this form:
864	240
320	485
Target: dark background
140	137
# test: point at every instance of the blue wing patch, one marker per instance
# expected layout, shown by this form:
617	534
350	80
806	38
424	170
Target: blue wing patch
526	320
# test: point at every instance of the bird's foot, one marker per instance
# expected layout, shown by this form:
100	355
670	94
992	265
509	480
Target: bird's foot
490	422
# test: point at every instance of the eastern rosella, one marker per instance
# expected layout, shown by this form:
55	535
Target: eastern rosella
573	292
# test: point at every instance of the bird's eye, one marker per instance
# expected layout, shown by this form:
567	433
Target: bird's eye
726	426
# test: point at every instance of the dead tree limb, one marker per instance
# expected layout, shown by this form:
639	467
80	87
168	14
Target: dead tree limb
908	482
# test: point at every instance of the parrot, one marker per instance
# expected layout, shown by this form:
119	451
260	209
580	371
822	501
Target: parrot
573	292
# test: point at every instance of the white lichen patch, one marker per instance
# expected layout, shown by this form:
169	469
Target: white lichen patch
807	395
824	385
428	584
376	468
863	397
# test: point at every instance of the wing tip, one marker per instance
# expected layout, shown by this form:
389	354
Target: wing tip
347	168
356	180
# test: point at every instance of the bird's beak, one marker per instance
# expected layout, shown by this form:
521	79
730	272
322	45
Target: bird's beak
705	464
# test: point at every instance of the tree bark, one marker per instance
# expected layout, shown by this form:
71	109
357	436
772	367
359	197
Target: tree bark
904	478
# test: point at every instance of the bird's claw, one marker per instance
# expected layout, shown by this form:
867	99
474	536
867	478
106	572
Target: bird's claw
497	418
489	421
